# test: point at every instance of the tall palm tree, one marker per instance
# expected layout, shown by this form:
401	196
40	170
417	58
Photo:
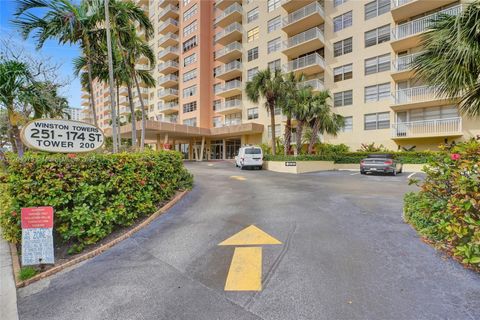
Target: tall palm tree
302	112
450	60
64	21
288	105
321	118
269	86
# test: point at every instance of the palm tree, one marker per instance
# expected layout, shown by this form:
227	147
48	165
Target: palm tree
321	118
269	86
450	61
302	112
64	21
288	105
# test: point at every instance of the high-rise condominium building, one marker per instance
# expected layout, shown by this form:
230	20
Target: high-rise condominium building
359	50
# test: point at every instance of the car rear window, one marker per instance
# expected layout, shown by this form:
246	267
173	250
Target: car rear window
253	151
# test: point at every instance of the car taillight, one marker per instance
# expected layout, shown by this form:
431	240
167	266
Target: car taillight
388	162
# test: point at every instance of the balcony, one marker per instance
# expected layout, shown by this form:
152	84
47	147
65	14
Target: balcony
230	15
223	4
169	107
308	65
85	102
168	67
403	9
123	101
168	40
293	5
427	128
168	94
417	97
303	19
230	70
170	25
143	92
124	111
407	35
85	95
315	84
168	81
165	3
169	53
402	67
229	106
230	34
230	89
230	52
306	41
170	11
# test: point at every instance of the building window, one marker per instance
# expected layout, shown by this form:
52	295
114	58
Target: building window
344	98
277	131
342	47
336	3
274	24
252	34
252	15
190	59
274	65
190	91
216	104
189	44
378	35
376	8
377	64
343	73
190	107
233	119
251	73
377	92
217	122
274	45
190	28
273	4
191	122
252	54
252	113
190	75
348	126
342	21
186	2
189	13
217	87
374	121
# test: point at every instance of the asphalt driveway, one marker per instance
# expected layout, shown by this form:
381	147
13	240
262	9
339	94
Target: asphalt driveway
345	254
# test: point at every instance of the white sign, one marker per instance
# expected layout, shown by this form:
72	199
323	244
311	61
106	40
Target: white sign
65	136
37	246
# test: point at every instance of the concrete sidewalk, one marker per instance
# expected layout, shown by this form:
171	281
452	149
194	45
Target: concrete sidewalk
8	292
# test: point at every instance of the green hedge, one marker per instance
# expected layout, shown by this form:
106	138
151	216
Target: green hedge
92	194
355	157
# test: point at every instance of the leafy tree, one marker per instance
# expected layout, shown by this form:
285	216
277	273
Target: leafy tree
302	112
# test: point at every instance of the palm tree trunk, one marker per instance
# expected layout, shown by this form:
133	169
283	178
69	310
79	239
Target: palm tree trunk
144	121
314	137
272	124
11	136
90	80
299	133
119	138
288	135
133	117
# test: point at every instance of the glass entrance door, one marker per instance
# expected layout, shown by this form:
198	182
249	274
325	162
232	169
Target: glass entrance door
216	149
233	145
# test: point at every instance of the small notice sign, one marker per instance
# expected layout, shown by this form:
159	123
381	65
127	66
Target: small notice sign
290	163
37	236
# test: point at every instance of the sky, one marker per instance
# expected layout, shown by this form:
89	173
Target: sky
62	54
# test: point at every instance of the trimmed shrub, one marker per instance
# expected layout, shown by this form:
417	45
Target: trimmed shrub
447	208
92	194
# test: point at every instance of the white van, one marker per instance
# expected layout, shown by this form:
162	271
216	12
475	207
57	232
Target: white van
250	156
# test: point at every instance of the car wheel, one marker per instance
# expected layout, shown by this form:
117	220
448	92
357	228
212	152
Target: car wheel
362	172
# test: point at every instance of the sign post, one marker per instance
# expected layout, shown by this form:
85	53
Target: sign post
37	237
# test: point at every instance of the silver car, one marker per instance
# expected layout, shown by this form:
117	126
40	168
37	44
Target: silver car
381	163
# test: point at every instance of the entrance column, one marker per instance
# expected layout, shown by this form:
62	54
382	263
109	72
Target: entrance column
202	146
190	150
224	150
159	143
165	141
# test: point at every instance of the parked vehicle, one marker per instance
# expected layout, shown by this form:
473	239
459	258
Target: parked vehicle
382	163
249	156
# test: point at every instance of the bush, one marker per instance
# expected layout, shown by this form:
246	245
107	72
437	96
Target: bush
92	194
447	208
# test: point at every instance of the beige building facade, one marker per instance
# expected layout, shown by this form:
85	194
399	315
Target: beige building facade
359	50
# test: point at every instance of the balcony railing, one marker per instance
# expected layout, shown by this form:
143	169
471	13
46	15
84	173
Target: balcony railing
231	47
168	106
166	37
168	92
306	61
229	86
168	8
234	7
168	50
405	62
427	128
314	33
315	84
398	3
415	94
167	64
302	13
170	77
167	22
229	29
235	103
422	24
229	67
233	122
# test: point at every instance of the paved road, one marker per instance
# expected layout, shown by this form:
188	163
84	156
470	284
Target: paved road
346	254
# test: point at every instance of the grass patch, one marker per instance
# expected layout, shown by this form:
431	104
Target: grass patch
27	273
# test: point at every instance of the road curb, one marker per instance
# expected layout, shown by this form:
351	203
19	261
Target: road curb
8	292
91	254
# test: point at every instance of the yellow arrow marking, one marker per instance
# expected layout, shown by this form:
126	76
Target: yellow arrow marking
238	178
245	273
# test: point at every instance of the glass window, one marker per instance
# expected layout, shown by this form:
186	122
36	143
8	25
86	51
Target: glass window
190	59
190	12
252	54
377	64
189	75
190	91
274	45
252	15
216	104
185	2
233	119
192	122
251	73
378	35
344	98
273	4
343	73
252	34
274	65
190	28
374	121
277	131
336	3
376	8
252	113
189	44
348	126
342	47
274	24
377	92
342	21
189	107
